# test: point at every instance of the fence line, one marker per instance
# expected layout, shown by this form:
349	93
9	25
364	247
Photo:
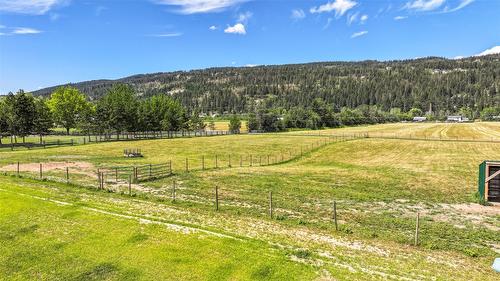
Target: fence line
395	136
82	140
126	175
119	175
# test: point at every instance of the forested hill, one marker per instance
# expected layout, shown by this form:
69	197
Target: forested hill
446	84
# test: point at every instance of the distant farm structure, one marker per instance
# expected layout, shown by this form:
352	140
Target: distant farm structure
457	119
419	119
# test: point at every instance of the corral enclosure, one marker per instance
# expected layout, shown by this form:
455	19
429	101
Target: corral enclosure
379	176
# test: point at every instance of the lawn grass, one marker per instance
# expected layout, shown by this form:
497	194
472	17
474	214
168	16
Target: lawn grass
49	239
45	240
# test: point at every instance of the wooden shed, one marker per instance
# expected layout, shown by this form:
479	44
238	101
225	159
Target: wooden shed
489	181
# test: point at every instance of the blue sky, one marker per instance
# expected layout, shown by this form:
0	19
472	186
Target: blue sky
49	42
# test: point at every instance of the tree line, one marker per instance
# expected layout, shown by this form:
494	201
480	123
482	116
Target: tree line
120	110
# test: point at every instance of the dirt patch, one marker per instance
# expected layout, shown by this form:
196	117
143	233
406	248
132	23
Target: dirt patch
493	209
79	167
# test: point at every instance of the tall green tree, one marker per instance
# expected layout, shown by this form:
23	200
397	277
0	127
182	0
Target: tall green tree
43	118
253	123
490	113
235	124
66	104
4	127
86	121
118	109
20	110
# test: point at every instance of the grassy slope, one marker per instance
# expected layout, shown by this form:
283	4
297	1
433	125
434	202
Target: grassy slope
46	240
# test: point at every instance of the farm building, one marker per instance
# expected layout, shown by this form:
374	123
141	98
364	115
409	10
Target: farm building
457	118
489	181
419	119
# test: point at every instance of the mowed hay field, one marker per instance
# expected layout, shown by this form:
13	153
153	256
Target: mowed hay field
446	131
379	185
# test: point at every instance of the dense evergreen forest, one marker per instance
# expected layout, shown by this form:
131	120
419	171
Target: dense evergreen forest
441	85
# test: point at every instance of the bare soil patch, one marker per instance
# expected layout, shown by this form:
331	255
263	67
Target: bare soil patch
79	167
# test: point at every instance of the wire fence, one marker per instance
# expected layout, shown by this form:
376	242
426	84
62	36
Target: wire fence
110	177
49	141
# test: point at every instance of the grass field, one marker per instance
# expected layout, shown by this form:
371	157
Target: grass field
378	184
223	125
447	131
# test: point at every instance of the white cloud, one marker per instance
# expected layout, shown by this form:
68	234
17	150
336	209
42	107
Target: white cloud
358	34
492	51
173	34
463	4
213	27
400	17
251	65
244	17
458	57
25	30
424	5
352	18
363	19
32	7
2	26
200	6
238	28
298	14
339	6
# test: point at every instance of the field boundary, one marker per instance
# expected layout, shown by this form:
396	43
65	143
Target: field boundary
92	139
125	178
368	135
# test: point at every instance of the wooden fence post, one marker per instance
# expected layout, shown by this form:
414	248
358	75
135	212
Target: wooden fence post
173	192
67	174
271	204
203	162
130	185
417	226
335	215
216	198
216	162
18	168
251	160
229	161
41	172
187	165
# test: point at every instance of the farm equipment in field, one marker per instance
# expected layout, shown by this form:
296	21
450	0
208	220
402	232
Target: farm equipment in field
132	153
